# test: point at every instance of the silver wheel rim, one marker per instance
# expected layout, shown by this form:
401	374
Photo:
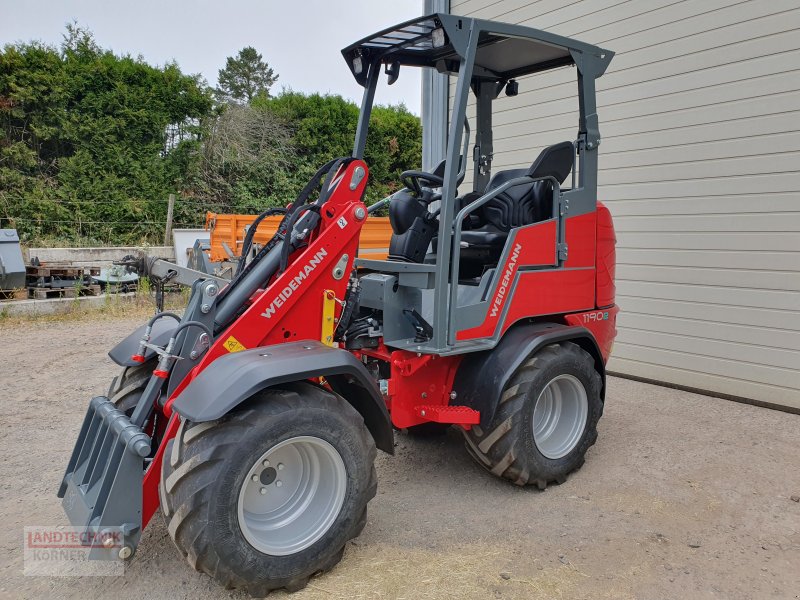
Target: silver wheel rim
292	495
559	417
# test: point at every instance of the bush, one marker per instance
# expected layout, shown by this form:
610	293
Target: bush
91	145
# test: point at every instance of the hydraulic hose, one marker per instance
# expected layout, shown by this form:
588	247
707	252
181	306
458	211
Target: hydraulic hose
161	315
301	201
287	247
233	297
332	169
251	232
188	324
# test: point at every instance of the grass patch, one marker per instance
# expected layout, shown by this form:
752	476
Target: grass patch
114	306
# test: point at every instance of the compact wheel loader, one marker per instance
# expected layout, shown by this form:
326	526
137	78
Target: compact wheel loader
253	418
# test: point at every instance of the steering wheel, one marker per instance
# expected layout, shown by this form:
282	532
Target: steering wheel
413	180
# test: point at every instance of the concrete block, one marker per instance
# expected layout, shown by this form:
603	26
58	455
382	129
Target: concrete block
84	257
55	306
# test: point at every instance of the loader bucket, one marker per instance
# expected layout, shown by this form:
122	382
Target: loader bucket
102	487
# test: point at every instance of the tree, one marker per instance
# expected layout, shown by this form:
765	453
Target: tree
247	161
90	142
323	127
245	76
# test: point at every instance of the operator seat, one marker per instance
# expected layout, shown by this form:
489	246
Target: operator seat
522	204
487	228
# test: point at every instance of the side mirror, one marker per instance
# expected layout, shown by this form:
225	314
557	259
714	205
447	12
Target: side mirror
392	71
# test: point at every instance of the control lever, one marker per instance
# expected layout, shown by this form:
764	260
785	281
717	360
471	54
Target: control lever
421	326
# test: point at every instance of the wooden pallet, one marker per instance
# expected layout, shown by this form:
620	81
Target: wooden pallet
20	294
69	292
58	271
45	293
61	271
90	290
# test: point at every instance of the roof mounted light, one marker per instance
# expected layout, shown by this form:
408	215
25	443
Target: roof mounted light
438	37
358	65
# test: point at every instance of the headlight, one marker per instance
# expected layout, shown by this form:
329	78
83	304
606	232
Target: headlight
437	37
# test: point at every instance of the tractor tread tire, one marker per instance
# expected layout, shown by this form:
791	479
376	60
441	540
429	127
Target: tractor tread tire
193	464
507	448
129	384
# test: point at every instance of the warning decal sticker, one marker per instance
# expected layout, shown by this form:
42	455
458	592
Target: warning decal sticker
233	345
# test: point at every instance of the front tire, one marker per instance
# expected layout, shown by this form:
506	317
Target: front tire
268	496
546	420
128	386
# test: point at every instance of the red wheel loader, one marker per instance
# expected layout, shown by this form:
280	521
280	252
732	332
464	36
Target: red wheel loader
253	418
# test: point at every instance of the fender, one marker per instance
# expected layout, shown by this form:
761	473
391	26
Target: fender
233	378
482	376
122	352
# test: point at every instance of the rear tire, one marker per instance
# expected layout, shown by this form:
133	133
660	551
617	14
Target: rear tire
213	474
546	420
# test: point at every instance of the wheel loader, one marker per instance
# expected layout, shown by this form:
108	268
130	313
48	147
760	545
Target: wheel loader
252	419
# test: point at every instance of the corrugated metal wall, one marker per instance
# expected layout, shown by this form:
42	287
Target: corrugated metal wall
700	165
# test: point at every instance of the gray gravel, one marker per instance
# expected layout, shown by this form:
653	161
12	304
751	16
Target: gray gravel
684	496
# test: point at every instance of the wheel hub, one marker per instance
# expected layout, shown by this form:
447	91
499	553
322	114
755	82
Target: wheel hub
560	415
268	476
292	495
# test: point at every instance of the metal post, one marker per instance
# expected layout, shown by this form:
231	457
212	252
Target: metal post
366	110
435	101
170	208
484	147
441	294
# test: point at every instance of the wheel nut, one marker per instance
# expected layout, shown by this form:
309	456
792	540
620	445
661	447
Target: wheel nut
263	491
280	466
279	483
254	478
266	463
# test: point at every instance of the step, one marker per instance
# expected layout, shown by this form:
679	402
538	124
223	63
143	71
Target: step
458	415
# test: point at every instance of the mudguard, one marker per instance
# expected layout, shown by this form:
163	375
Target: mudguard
122	352
482	376
235	377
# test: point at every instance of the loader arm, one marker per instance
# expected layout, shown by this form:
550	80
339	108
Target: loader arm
292	292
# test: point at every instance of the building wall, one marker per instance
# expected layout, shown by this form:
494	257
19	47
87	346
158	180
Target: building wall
700	166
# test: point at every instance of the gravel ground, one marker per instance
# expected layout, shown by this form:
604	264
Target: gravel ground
684	496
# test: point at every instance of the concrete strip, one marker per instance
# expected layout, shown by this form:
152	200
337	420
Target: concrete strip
54	306
84	257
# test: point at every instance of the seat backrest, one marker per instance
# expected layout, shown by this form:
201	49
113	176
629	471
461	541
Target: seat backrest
528	203
403	209
554	161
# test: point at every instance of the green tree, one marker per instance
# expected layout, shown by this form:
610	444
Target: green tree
324	127
247	161
245	77
91	143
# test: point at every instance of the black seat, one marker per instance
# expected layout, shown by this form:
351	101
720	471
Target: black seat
522	204
413	226
484	235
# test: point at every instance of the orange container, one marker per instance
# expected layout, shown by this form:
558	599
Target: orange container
230	231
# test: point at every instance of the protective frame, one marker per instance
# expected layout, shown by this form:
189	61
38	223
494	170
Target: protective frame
465	40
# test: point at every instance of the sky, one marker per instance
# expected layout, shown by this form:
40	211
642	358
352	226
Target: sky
300	39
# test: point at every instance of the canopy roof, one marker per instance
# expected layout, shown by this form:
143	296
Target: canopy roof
439	40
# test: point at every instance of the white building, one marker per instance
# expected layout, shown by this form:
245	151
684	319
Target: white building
700	166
